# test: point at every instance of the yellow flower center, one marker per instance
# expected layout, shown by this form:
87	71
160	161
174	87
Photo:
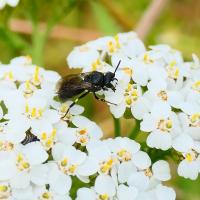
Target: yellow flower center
8	76
195	120
34	113
173	71
163	95
5	192
21	163
103	197
46	196
83	131
191	156
36	77
196	86
165	125
72	169
82	136
64	162
147	59
131	94
113	46
28	92
124	155
48	140
106	166
148	172
63	108
3	188
6	146
127	70
96	65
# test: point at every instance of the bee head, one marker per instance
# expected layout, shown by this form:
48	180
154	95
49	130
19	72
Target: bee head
108	77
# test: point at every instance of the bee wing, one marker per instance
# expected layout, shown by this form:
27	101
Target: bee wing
71	85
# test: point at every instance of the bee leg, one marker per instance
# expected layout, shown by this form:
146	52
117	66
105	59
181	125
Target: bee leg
96	97
71	105
112	87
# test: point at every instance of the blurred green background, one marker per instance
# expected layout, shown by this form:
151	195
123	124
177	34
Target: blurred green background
177	25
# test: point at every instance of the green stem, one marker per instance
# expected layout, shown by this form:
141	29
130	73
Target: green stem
117	126
135	131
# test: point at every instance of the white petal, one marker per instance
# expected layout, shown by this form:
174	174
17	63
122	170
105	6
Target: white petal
161	109
124	171
79	58
148	124
20	180
80	121
86	193
23	194
165	193
39	174
139	180
183	143
89	167
7	166
140	75
159	140
60	183
139	108
161	170
141	160
105	185
118	111
126	193
35	153
188	169
58	151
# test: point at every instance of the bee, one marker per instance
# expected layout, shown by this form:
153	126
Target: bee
84	83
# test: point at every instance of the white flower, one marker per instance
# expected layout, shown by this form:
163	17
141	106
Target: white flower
24	165
59	182
86	56
47	194
105	187
159	193
67	159
189	167
148	178
86	130
126	192
190	119
63	107
158	90
99	160
163	125
129	96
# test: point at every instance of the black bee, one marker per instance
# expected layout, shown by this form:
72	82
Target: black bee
84	83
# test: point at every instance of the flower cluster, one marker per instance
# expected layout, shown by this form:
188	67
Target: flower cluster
12	3
157	86
41	153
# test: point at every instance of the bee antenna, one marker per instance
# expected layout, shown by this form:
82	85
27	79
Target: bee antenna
117	66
